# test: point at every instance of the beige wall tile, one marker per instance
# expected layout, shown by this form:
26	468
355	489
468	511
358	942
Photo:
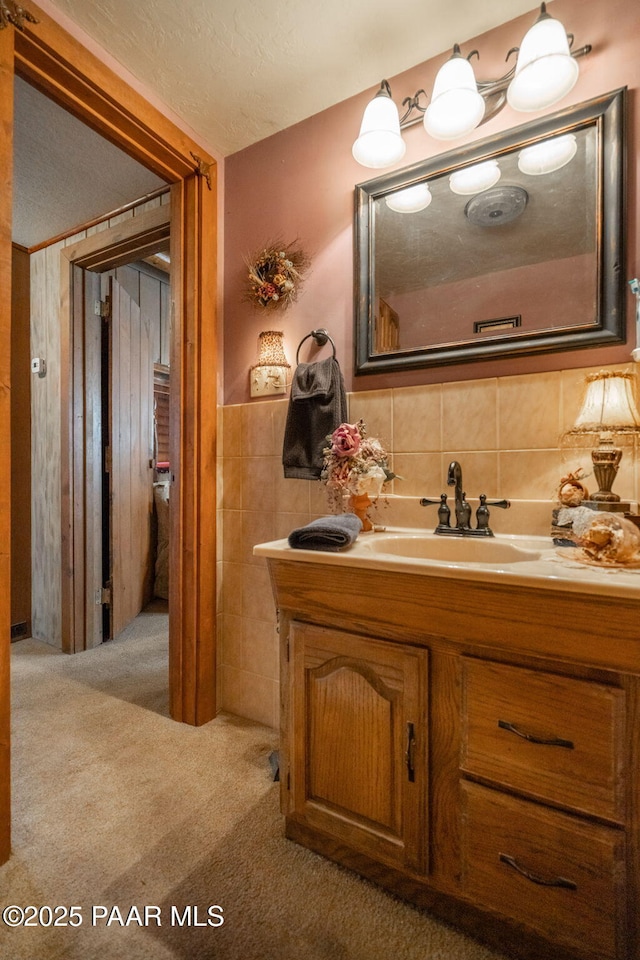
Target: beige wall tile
232	535
375	408
421	474
530	474
261	648
232	444
417	419
258	483
231	498
257	429
258	526
257	597
529	411
469	415
232	580
231	641
248	695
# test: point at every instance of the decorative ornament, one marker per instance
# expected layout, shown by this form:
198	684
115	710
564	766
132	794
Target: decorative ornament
11	12
275	275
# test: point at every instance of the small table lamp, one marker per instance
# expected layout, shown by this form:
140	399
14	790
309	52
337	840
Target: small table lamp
269	375
609	412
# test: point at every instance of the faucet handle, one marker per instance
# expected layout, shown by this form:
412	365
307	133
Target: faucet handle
503	504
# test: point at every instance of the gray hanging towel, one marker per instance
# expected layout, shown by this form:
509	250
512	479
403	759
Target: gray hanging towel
318	404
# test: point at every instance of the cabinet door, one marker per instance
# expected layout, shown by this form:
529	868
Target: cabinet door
358	736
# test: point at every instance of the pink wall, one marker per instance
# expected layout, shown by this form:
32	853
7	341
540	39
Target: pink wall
298	184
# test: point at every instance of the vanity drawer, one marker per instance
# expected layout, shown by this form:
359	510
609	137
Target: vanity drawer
550	737
552	872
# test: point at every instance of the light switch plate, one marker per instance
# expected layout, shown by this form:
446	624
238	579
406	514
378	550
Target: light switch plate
268	381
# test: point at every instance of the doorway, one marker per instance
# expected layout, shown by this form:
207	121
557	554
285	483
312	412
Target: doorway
44	54
119	341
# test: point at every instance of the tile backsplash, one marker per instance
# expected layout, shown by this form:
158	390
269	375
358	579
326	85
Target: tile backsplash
506	432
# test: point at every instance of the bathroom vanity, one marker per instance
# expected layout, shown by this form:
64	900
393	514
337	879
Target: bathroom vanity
461	725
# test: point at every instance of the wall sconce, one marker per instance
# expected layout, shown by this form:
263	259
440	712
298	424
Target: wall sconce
608	412
268	376
545	71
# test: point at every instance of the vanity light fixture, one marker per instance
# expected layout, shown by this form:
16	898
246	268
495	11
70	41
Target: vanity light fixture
548	155
608	412
269	374
545	71
411	199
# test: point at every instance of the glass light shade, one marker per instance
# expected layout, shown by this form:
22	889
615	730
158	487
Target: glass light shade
410	200
548	155
545	71
456	107
380	143
609	405
475	179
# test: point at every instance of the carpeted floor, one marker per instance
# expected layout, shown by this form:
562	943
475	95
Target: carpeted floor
117	806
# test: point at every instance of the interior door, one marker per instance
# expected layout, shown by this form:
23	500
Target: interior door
128	459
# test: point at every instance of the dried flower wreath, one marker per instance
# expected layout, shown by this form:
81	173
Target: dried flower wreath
275	275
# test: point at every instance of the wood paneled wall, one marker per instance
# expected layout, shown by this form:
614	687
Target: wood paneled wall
20	446
46	508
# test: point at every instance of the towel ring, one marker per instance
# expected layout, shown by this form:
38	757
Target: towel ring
321	336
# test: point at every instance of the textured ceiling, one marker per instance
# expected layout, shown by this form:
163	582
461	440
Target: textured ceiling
237	71
64	173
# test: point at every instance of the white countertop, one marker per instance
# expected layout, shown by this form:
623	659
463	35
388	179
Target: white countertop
542	566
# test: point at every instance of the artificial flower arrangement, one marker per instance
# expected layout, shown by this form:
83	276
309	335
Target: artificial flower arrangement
355	465
275	275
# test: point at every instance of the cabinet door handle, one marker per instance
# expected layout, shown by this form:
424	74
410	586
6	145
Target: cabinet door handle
551	742
535	878
409	755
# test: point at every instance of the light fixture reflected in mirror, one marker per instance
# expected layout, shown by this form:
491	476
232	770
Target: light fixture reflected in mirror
548	155
545	71
411	199
476	178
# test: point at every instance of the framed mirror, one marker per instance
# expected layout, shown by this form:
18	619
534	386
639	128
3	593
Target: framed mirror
510	246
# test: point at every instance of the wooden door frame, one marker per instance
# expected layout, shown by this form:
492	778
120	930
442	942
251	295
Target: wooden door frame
132	239
58	65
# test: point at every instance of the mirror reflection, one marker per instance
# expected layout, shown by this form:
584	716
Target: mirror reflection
509	246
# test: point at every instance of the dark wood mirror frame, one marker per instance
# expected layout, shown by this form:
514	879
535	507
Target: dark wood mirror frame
607	114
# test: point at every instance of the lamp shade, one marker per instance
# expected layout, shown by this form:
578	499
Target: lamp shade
456	107
271	349
380	142
608	406
545	71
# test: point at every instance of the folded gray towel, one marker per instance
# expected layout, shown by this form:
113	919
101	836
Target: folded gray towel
327	533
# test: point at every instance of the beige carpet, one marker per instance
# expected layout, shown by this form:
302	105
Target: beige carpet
117	805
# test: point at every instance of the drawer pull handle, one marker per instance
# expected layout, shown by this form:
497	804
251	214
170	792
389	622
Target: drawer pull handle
409	755
552	742
534	878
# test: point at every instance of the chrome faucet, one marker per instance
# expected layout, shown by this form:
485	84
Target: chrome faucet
463	526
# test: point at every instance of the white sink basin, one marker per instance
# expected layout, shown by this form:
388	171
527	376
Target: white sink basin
455	549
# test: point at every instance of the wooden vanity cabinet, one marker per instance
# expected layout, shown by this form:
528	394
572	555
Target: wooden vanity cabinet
359	742
478	767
